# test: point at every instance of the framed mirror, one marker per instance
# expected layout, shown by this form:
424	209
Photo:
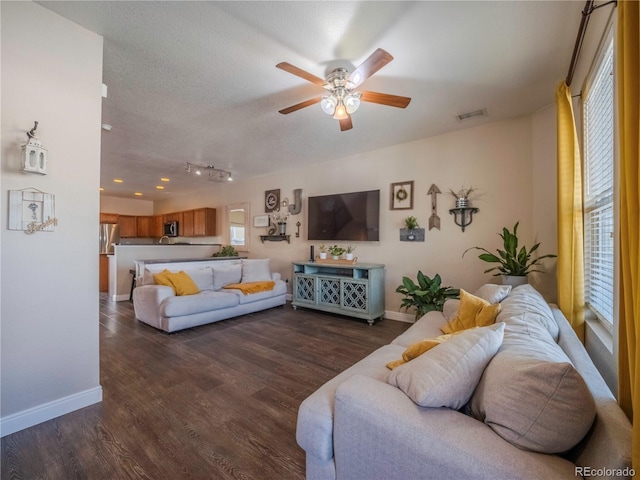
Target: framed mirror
237	227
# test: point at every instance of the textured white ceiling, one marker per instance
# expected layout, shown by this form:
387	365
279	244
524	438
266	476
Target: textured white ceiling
197	82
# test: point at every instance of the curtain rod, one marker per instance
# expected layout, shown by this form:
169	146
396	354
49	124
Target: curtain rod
589	8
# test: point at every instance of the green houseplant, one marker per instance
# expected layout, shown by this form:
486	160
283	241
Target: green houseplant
425	296
336	251
226	251
511	261
411	223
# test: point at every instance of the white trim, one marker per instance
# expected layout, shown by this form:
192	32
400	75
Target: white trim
120	298
42	413
399	317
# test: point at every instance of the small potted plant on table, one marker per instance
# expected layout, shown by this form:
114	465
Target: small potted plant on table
336	252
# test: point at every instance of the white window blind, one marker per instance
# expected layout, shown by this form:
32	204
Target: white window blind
598	191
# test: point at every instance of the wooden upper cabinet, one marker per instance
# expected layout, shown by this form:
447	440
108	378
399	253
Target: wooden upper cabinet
156	224
185	229
204	222
128	226
108	217
143	225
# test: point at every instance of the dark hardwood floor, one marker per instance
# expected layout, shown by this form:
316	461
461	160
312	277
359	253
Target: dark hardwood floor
214	402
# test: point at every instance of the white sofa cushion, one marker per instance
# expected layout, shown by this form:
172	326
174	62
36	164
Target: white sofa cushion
256	270
202	302
280	288
447	375
530	393
226	274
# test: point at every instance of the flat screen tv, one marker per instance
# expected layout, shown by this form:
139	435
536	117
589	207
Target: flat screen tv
345	216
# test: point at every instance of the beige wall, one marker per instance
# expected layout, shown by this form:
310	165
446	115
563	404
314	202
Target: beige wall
52	73
125	206
497	158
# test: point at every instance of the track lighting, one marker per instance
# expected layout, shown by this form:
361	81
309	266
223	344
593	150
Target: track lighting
215	174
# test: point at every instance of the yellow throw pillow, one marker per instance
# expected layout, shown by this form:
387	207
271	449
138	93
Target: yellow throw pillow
472	312
183	283
162	278
416	349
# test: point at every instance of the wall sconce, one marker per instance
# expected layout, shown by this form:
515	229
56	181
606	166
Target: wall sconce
214	174
34	156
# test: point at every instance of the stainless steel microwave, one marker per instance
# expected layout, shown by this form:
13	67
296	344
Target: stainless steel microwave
170	229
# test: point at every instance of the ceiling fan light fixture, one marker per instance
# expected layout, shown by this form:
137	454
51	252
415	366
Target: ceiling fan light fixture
328	104
341	112
352	102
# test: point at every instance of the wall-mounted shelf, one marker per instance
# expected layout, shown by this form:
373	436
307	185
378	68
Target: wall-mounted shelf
275	238
466	216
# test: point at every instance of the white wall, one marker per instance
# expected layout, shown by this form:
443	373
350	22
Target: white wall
125	206
51	72
497	158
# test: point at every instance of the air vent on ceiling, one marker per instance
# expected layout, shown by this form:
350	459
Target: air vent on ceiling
476	113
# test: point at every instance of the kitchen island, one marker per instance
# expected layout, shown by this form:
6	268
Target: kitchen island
122	262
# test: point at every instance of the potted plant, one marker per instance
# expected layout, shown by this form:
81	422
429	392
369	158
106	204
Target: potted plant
514	265
323	251
226	251
411	223
349	252
425	296
462	196
336	251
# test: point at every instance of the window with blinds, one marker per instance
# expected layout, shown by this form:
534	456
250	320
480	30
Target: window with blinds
598	190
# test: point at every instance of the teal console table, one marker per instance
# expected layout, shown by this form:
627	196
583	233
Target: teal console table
356	290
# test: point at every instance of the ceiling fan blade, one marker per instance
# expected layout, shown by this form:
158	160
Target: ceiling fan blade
345	124
371	65
300	105
287	67
385	99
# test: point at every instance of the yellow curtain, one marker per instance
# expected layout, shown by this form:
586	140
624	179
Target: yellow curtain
570	231
628	62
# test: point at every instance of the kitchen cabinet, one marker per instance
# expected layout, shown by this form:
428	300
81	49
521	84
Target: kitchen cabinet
104	273
185	229
155	226
128	226
174	217
108	217
204	222
143	227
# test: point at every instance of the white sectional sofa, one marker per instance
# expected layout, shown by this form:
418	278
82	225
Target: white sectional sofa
537	409
160	307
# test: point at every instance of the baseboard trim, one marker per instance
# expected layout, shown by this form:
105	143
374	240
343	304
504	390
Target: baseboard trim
47	411
399	317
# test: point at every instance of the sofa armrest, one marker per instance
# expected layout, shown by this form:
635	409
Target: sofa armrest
147	300
275	276
380	433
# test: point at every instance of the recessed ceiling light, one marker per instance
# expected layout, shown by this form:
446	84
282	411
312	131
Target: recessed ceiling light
101	189
160	187
165	180
118	180
138	194
106	126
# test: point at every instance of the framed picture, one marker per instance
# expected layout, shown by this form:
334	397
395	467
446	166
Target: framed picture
261	221
402	195
31	211
271	200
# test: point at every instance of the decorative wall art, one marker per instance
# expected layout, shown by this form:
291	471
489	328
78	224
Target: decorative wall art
402	195
261	221
271	200
32	210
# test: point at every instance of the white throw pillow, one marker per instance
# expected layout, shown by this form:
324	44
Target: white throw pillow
447	375
202	277
493	293
450	308
226	274
256	270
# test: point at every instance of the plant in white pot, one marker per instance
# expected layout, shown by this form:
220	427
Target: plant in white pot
336	252
323	251
349	252
514	265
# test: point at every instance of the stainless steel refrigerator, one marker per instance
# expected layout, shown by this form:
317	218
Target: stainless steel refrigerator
109	234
